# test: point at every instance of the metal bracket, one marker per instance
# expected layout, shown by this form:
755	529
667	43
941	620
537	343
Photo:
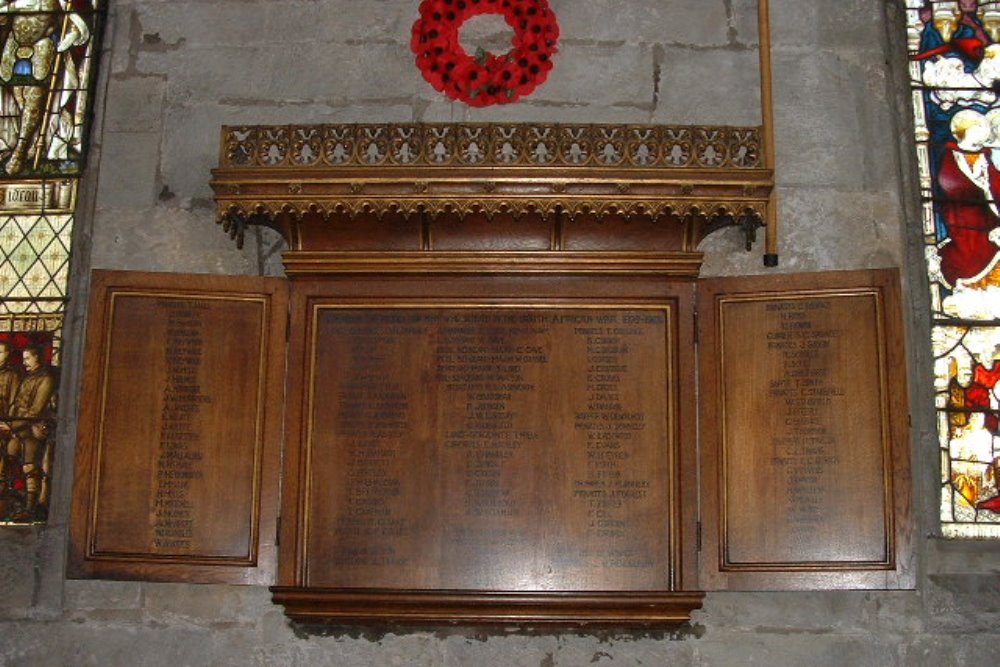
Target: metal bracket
235	224
749	223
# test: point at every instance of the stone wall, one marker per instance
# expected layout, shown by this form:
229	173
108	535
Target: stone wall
174	71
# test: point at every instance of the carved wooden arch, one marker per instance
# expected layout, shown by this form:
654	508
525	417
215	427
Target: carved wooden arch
548	194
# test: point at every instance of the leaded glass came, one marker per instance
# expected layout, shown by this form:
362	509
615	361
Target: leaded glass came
954	49
47	61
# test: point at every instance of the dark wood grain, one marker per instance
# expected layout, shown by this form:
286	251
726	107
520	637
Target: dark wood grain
177	461
492	435
805	450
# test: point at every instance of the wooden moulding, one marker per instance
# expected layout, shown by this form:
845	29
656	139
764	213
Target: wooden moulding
665	265
310	605
424	187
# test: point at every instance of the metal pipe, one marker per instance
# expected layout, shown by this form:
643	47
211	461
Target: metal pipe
767	130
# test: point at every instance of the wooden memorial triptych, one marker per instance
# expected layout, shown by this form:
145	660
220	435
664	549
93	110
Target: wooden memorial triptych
495	448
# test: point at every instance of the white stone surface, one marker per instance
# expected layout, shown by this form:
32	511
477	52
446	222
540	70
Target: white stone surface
643	21
139	104
733	99
130	180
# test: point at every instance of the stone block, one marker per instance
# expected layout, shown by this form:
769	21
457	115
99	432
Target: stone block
814	225
643	22
80	595
418	649
896	613
51	555
598	74
162	239
828	612
795	650
200	23
192	140
931	651
171	26
961	557
118	36
822	229
530	111
512	650
345	22
92	641
708	87
832	124
203	74
967	603
851	25
19	639
489	32
622	652
240	646
158	645
726	254
270	246
135	104
206	605
936	650
17	571
128	169
318	71
361	112
272	627
743	22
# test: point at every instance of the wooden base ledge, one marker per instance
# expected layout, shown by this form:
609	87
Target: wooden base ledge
336	606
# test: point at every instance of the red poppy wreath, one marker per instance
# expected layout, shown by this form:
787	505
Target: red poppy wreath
484	78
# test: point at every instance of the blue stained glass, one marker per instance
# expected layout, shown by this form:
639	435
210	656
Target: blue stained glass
47	62
954	51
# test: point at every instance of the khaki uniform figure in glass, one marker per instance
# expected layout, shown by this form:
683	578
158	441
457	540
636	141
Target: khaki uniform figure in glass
38	33
10	379
28	440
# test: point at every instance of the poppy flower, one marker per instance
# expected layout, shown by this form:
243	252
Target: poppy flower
484	78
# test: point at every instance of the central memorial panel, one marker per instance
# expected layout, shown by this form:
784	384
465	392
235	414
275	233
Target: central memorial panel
516	448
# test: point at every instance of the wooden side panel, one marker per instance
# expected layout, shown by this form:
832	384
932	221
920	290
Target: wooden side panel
179	440
805	449
495	437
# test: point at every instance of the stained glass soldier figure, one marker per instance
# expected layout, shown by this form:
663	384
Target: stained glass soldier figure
27	447
10	379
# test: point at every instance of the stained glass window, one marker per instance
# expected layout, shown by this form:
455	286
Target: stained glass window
954	49
48	55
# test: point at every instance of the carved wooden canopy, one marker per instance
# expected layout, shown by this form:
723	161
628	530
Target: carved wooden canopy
432	188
